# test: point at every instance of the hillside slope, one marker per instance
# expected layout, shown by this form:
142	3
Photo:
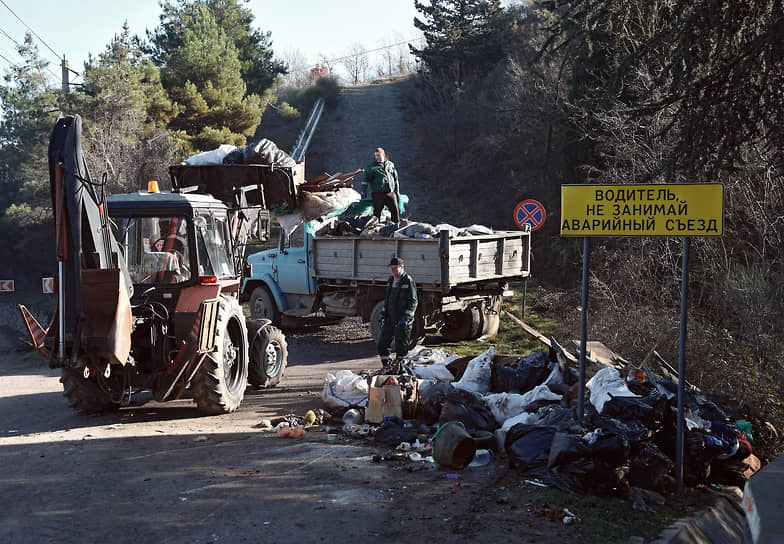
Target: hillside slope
366	117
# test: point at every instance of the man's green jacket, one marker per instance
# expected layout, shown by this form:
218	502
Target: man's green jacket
401	301
381	176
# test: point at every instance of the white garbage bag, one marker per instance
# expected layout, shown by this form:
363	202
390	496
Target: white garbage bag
344	389
210	157
506	405
478	229
435	371
476	377
290	221
529	418
453	231
604	385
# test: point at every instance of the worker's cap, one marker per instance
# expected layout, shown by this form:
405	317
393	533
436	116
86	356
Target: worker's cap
395	261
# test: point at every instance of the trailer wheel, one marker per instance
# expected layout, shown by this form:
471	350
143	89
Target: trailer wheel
219	385
462	325
262	305
268	357
84	394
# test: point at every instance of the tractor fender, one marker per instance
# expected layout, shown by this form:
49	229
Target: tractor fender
255	326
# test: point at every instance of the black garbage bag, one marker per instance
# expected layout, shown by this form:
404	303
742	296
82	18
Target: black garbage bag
631	430
391	433
528	447
430	402
650	410
235	157
561	418
587	463
522	376
651	469
608	449
354	224
267	152
469	409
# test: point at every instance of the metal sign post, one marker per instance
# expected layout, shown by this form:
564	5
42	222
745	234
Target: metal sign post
682	361
583	330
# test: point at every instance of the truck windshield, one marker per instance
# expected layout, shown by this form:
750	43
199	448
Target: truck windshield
156	248
213	240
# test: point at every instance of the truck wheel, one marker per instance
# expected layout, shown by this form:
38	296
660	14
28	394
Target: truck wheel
462	325
375	320
417	330
219	385
262	305
268	357
84	394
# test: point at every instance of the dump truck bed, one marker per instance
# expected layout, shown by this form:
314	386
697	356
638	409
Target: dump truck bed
276	186
441	263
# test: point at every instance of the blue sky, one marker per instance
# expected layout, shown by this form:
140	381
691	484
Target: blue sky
75	28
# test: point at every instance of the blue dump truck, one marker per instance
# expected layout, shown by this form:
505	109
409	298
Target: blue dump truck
461	280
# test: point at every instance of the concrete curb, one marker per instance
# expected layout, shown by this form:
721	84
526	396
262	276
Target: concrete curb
722	523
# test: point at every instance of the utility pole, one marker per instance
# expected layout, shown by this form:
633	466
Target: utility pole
64	71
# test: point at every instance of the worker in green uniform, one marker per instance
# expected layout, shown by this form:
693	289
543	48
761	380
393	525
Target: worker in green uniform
398	316
384	185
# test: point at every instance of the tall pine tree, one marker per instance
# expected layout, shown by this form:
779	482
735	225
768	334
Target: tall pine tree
463	39
202	72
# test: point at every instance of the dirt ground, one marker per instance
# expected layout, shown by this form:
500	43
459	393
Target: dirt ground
164	473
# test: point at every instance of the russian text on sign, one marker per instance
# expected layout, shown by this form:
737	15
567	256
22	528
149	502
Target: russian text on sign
642	210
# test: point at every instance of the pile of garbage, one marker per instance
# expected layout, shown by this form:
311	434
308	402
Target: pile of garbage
525	408
262	152
371	226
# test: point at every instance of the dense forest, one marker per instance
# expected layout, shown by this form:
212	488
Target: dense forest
521	96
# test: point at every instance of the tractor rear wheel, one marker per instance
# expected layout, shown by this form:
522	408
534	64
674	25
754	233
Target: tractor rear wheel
268	357
219	385
84	394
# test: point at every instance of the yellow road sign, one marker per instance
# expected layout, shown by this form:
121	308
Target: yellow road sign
642	210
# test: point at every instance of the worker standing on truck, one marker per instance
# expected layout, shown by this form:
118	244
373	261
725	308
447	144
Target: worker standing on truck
384	186
398	315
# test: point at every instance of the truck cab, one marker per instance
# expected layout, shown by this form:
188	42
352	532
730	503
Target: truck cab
280	280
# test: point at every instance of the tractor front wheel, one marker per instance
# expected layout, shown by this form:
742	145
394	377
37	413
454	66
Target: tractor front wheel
219	385
268	357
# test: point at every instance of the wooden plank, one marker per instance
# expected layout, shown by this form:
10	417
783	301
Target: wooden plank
539	336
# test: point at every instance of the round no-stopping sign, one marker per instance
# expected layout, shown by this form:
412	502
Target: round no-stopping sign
529	212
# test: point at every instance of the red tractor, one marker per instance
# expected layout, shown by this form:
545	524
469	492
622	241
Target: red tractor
148	288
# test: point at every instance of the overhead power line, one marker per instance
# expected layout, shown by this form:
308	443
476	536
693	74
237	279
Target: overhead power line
56	54
356	54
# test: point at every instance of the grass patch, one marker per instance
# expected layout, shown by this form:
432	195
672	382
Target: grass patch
511	339
610	520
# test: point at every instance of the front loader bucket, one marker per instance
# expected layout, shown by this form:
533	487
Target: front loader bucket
107	327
